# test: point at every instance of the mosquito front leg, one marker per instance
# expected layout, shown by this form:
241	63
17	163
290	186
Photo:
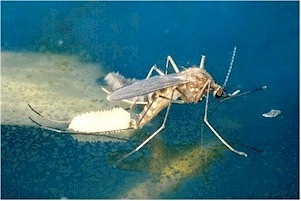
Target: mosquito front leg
201	93
215	132
150	137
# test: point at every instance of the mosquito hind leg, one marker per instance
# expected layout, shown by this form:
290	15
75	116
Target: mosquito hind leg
150	137
48	119
215	132
48	128
71	132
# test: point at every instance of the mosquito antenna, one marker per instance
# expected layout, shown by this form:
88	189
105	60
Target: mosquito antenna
230	67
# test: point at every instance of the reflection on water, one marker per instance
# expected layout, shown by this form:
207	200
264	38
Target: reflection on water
169	166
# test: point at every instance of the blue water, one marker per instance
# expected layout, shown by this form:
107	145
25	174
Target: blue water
130	37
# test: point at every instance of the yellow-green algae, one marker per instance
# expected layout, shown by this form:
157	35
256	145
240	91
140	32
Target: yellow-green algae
58	86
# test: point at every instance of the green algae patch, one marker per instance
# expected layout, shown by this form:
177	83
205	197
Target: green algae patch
59	86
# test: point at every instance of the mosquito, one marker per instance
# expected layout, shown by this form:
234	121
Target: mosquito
190	85
155	93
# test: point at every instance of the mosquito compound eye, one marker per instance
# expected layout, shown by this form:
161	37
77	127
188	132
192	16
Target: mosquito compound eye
219	92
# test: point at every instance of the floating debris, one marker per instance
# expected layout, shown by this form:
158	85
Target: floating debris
271	114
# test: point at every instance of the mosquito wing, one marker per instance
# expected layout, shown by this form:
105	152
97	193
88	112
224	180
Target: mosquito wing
143	87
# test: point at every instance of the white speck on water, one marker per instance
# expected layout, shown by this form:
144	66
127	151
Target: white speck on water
271	114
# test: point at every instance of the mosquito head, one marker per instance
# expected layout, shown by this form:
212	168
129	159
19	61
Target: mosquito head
219	92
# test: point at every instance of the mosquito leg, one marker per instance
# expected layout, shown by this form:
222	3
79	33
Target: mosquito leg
173	64
57	130
202	63
47	128
150	137
154	67
202	91
48	119
215	132
105	90
178	101
168	60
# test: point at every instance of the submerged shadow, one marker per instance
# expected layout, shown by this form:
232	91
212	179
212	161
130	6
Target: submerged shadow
169	166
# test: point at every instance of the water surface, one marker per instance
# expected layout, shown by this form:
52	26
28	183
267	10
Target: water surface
130	37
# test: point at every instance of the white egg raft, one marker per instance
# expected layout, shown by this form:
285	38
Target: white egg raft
101	121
